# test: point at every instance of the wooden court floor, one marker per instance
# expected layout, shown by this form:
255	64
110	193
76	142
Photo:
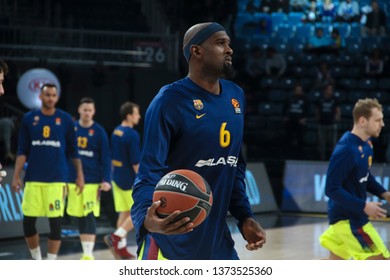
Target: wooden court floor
289	237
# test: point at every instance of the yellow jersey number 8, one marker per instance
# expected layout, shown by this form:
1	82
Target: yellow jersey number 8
224	136
46	131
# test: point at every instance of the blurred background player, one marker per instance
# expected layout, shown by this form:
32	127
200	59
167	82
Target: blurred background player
328	115
126	149
196	123
351	234
94	152
46	140
296	111
3	72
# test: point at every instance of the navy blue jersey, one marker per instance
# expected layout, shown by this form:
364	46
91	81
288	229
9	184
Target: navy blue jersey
349	179
187	127
327	108
297	107
126	151
94	152
47	142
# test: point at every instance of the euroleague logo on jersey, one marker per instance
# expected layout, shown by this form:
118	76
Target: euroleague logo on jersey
236	106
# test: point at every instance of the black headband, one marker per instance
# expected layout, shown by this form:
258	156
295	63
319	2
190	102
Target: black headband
202	36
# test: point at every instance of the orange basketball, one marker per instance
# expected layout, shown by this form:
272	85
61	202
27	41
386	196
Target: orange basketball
184	190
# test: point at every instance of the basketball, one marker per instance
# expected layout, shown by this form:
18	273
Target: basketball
184	190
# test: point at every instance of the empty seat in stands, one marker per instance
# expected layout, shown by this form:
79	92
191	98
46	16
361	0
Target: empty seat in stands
346	110
306	83
354	45
367	84
385	42
384	84
346	60
241	19
353	72
298	70
268	83
370	43
355	95
270	109
348	83
314	95
280	47
382	96
249	29
355	30
309	60
278	19
386	111
286	83
341	95
285	31
261	41
241	44
296	45
304	30
293	18
330	59
339	71
277	95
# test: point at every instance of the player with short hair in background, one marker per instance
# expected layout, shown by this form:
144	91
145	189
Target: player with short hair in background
95	155
46	141
126	149
351	235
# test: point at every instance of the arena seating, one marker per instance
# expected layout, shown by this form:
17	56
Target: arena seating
289	36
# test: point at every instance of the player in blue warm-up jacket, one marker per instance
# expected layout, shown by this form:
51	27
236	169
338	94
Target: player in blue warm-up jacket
94	152
351	235
46	141
196	123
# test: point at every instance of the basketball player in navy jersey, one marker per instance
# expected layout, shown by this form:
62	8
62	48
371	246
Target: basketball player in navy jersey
196	123
125	147
351	235
46	140
3	72
94	152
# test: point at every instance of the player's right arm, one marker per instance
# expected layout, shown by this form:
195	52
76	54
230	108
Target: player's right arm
16	180
159	128
24	141
105	161
340	166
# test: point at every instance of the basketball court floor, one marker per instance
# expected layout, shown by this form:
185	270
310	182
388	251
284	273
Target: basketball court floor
289	237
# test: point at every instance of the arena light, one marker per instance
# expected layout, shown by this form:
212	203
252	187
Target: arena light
30	83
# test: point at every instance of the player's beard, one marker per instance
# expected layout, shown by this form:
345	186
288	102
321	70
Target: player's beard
228	71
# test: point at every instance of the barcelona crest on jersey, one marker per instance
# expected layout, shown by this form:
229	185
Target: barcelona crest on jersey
198	104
